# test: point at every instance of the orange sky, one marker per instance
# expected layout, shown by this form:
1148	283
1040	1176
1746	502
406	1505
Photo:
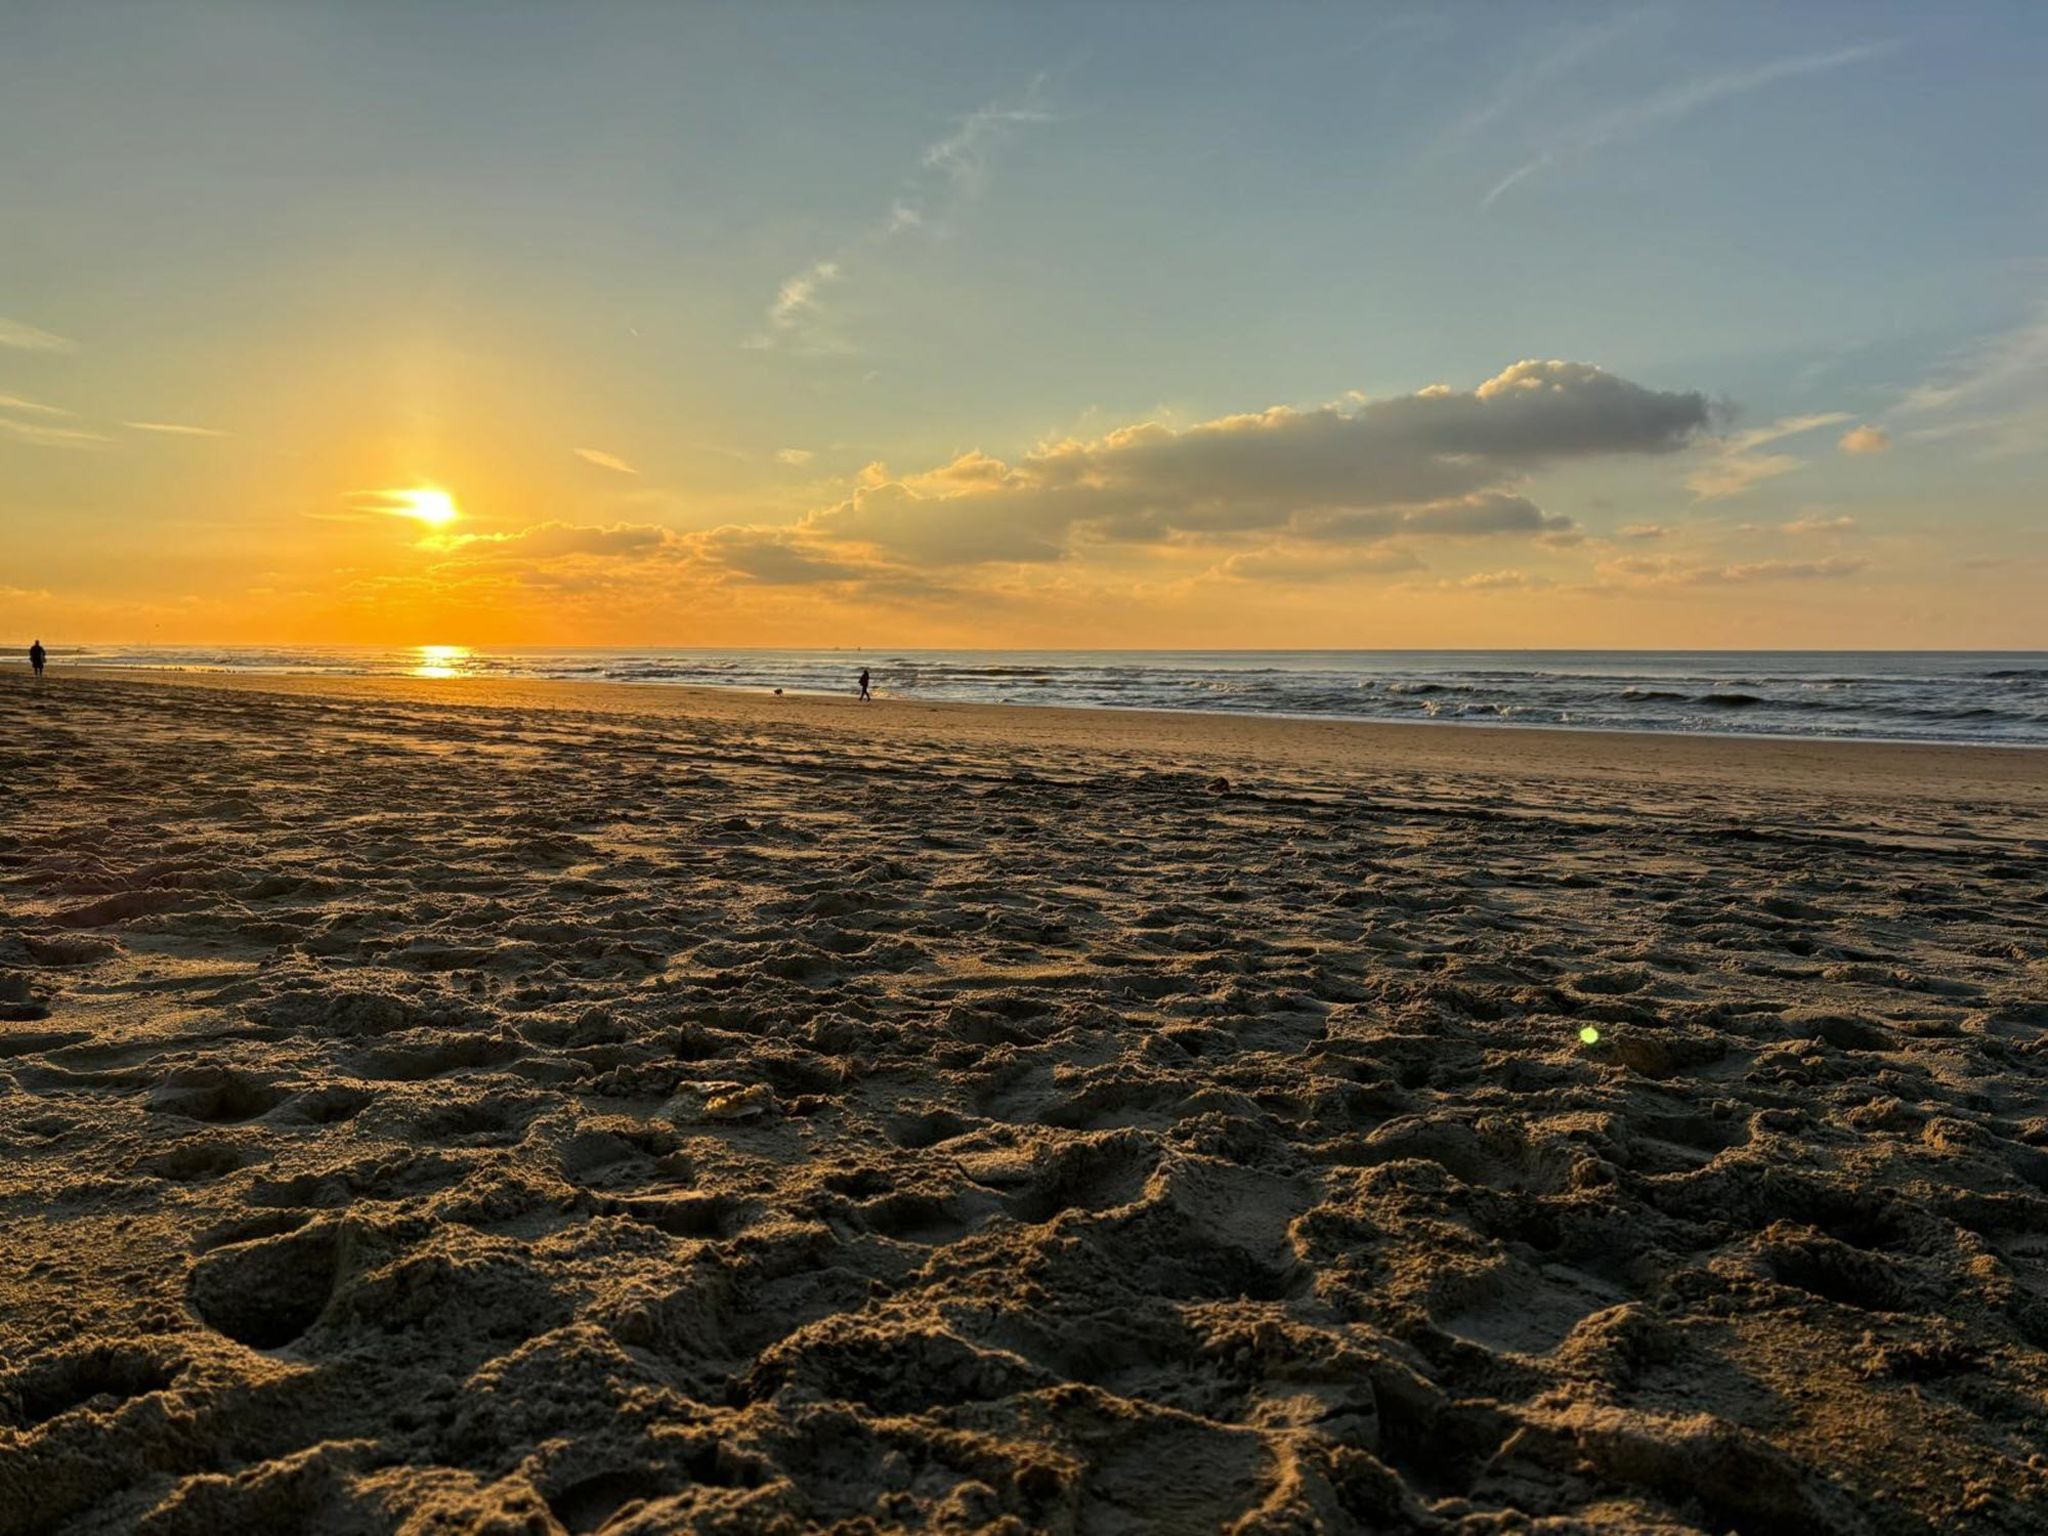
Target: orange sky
707	345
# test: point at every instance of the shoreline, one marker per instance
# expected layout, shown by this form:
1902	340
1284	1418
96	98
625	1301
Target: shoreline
1288	743
1297	717
1963	699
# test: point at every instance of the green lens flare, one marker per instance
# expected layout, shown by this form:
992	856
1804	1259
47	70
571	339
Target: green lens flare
1590	1035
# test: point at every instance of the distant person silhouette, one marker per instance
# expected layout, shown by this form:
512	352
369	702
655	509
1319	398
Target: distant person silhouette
865	696
37	656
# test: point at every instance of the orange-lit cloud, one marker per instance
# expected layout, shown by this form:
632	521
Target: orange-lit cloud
422	504
173	429
1262	500
548	541
1865	440
1441	462
1639	571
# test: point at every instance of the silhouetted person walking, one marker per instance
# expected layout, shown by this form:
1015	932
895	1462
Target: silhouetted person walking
865	696
37	656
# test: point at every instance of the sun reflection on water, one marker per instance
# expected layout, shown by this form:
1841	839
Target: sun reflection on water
439	660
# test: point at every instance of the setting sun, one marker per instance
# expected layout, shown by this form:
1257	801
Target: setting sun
439	660
435	508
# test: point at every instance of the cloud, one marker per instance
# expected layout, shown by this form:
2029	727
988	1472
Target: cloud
769	556
950	171
1526	79
47	434
1640	571
962	156
1737	465
795	455
603	460
798	308
1733	474
1993	393
1784	427
1818	524
1832	569
1507	579
2014	363
1438	463
1475	516
1865	440
1357	489
1676	102
555	541
27	338
1501	581
173	429
1316	563
31	407
45	426
1643	531
399	503
43	432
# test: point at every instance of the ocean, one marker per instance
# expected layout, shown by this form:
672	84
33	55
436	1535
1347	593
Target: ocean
1948	696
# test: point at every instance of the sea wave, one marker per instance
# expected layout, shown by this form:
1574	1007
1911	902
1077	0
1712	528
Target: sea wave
1980	697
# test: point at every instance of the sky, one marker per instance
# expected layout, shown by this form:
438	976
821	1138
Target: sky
1151	325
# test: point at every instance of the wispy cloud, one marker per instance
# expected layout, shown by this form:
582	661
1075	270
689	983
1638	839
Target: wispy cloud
1737	465
1619	124
552	541
794	455
28	338
48	426
50	434
1526	79
951	171
603	460
798	307
174	429
1990	395
1501	581
1294	561
1999	367
962	156
1644	572
31	407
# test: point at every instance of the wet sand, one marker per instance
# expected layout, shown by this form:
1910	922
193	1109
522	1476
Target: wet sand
460	1107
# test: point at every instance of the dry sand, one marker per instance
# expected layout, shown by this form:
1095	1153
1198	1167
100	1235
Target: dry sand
459	1107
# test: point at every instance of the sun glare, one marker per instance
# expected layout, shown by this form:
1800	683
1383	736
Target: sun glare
440	660
433	507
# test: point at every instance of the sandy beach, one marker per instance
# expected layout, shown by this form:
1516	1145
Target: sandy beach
464	1107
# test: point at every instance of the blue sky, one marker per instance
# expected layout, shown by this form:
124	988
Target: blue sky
651	290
